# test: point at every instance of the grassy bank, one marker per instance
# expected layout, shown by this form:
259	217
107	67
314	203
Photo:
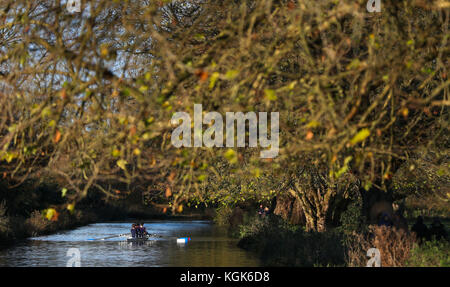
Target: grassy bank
280	244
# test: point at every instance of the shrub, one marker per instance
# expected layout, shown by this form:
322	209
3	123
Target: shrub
36	224
4	223
394	245
222	215
430	253
352	220
279	243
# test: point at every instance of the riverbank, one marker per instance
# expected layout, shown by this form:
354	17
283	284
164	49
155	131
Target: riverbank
278	243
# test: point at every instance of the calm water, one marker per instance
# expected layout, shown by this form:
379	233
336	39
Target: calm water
209	246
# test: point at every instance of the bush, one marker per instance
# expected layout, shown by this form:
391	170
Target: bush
4	223
36	224
430	254
222	215
279	243
395	246
352	220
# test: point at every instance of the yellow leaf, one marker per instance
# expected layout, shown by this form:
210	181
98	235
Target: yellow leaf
122	164
70	207
143	89
360	136
270	95
104	50
49	213
313	124
213	79
231	74
115	153
231	156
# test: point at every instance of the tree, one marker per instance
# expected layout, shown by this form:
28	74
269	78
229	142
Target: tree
88	97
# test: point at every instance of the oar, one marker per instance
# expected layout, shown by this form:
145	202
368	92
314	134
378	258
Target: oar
109	237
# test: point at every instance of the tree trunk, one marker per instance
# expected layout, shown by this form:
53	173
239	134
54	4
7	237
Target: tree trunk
315	208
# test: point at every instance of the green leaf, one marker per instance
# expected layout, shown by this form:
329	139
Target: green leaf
367	185
213	80
231	74
231	156
270	94
115	153
313	124
63	192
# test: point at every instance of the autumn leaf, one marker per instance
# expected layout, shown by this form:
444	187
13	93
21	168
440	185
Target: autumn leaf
231	74
132	130
168	192
309	135
213	80
171	176
405	112
122	164
51	214
360	136
270	95
291	5
57	137
70	207
313	124
63	94
231	156
115	153
202	74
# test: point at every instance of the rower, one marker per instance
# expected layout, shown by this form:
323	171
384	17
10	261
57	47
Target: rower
143	230
138	230
133	230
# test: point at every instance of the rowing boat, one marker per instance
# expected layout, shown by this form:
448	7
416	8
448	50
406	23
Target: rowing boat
137	239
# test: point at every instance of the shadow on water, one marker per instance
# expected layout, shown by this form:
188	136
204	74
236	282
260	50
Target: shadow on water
209	246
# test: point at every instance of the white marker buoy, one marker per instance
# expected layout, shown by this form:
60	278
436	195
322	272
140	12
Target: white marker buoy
183	240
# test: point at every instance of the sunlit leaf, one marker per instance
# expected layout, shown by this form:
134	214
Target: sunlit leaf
360	136
122	164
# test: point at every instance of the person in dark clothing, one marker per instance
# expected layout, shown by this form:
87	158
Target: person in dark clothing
385	220
400	222
261	210
133	230
143	230
420	229
437	230
138	231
